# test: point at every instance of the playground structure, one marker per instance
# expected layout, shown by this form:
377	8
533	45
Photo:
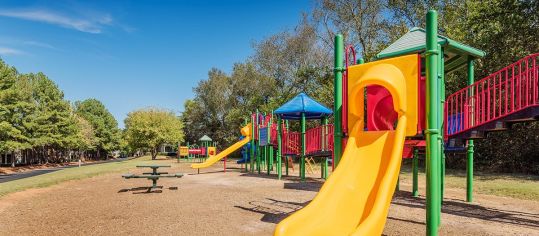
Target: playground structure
196	153
270	143
356	197
406	113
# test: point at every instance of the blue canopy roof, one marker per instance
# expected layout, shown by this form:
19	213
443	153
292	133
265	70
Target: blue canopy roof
302	103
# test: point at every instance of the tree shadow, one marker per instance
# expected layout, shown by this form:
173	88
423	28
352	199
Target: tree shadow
460	208
273	210
309	185
206	172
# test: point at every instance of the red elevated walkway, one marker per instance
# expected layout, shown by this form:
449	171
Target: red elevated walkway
505	97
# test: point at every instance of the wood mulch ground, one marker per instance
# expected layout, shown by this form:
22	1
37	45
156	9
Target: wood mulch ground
232	203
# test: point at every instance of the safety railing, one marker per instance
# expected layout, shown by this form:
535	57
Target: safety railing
318	139
502	93
291	143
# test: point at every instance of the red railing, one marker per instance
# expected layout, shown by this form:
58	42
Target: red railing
318	139
502	93
273	133
349	51
291	143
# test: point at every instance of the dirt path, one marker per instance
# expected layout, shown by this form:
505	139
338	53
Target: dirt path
232	203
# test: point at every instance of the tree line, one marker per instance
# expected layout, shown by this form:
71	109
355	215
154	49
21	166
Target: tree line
38	125
301	60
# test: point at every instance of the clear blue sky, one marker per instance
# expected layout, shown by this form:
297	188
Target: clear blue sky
133	54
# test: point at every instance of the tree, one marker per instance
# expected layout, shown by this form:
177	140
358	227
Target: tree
103	123
506	30
149	128
13	104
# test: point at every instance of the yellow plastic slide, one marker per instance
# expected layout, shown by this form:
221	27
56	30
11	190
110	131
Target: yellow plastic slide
355	199
245	131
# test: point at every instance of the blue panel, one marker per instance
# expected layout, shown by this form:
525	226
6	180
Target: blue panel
263	137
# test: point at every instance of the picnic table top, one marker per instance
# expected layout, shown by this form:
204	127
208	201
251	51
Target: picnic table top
152	166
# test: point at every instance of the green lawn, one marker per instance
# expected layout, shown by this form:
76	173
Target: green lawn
515	186
75	173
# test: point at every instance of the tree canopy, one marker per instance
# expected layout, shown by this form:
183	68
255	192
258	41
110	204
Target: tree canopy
38	125
149	128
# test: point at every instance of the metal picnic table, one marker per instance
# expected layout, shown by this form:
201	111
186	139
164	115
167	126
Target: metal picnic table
154	175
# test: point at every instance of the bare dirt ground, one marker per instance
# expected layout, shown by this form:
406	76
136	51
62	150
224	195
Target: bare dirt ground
232	203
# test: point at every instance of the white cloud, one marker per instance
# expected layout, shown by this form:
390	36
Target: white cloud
5	51
38	44
89	25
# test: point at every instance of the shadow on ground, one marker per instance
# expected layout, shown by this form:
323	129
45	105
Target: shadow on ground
296	183
460	208
145	190
273	210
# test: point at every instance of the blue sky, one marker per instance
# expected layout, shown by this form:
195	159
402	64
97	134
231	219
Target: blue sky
134	54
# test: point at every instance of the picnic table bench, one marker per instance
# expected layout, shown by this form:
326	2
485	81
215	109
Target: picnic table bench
153	176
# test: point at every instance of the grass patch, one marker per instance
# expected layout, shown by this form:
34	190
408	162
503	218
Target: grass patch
74	173
507	185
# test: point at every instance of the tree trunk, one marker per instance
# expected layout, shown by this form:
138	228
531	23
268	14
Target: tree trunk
12	159
154	153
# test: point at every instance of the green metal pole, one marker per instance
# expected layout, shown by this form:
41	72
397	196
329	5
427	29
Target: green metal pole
303	144
337	105
257	143
470	149
266	158
286	161
433	131
270	147
252	151
441	86
279	149
415	161
325	123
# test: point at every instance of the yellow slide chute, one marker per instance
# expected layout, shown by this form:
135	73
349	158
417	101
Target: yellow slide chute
355	199
245	131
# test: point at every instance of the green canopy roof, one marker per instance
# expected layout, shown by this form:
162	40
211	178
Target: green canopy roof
456	54
205	138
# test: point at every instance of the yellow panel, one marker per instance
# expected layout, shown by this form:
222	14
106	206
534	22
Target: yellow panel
212	151
389	74
184	151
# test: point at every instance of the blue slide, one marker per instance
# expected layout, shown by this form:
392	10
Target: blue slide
245	153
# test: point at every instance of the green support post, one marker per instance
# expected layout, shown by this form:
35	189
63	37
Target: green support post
433	131
266	158
257	144
286	160
252	151
279	149
470	148
415	163
269	142
337	105
303	144
325	161
441	87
